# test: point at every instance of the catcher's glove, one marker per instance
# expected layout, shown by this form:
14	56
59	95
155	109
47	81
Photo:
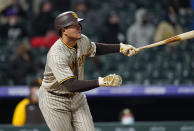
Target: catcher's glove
128	50
110	80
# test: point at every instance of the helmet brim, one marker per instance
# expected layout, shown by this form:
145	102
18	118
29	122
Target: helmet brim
80	19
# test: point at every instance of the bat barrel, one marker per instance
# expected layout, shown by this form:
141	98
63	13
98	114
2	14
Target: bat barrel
151	45
180	37
187	35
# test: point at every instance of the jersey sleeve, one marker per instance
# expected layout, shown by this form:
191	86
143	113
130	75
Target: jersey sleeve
89	46
92	50
60	68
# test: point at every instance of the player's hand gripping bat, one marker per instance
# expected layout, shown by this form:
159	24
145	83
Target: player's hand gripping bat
180	37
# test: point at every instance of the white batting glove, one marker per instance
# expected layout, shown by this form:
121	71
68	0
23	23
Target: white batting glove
128	50
110	80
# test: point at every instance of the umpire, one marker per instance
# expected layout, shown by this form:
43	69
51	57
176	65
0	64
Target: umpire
61	100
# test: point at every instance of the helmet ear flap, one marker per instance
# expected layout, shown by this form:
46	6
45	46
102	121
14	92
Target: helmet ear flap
61	30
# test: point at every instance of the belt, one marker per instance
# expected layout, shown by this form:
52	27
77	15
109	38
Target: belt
69	95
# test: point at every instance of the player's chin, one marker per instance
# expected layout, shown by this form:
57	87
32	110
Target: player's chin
79	35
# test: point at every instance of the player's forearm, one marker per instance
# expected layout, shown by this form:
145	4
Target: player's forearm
74	85
102	48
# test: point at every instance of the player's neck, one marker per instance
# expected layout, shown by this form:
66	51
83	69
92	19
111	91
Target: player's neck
69	42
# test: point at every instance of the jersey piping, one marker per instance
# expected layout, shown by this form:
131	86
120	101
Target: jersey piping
68	45
66	79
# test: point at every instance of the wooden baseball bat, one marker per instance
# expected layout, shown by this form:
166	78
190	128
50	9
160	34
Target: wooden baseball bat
180	37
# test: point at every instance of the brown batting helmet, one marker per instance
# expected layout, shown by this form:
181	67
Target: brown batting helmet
66	19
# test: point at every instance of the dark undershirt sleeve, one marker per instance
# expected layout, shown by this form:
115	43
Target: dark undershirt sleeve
102	49
74	85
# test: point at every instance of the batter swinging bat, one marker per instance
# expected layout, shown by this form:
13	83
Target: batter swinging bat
180	37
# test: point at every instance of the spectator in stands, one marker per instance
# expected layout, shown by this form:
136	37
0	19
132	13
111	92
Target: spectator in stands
21	6
182	7
57	5
61	5
21	65
27	110
93	22
42	23
168	27
44	41
43	34
5	4
126	117
13	30
110	33
142	31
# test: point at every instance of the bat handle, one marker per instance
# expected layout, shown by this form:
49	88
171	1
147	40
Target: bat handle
143	47
140	48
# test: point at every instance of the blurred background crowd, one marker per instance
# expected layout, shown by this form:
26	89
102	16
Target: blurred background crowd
26	34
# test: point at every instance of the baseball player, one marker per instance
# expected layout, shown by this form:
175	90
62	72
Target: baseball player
61	100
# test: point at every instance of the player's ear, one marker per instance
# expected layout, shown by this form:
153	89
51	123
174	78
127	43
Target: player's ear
63	31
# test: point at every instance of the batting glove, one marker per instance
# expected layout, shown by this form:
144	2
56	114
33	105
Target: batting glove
110	80
128	50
